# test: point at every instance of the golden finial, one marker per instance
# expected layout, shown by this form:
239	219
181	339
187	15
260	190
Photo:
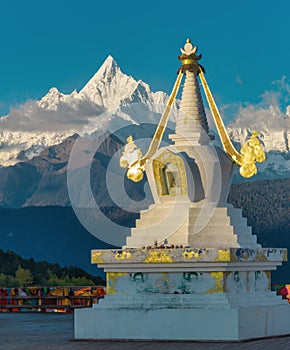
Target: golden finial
189	58
188	48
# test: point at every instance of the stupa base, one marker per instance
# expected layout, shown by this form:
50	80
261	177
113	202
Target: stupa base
234	324
186	294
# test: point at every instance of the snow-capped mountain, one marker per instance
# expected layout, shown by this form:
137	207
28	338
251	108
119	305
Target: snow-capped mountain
111	99
111	88
18	145
53	99
274	131
273	140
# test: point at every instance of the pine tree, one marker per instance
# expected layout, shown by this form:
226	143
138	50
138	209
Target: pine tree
23	276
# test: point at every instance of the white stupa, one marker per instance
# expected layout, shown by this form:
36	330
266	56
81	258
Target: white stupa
191	268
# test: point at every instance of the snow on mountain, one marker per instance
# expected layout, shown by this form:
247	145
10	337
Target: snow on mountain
111	99
267	117
53	99
22	145
273	126
111	88
273	140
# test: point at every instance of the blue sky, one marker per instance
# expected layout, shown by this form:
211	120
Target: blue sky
245	44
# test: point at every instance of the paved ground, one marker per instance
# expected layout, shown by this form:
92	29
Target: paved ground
55	331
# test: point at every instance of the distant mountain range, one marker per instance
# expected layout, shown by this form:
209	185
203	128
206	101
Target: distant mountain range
112	100
42	181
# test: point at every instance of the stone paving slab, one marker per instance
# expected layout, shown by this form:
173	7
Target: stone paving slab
21	331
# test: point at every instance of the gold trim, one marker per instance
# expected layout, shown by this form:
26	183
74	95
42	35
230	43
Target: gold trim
251	152
187	61
226	142
112	278
219	283
158	257
123	256
158	163
191	254
163	121
96	257
223	255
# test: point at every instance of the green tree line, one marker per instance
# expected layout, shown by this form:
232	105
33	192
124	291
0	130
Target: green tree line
18	272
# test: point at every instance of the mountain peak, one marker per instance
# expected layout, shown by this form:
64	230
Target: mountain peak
51	99
53	91
109	86
110	60
108	69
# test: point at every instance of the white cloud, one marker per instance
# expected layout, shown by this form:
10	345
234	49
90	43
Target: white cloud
284	88
31	117
268	114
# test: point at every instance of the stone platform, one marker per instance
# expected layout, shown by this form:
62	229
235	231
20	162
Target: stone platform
33	331
186	294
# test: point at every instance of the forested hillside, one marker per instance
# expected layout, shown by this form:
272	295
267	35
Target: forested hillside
18	272
265	203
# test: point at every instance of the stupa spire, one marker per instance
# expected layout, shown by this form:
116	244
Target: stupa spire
191	105
191	122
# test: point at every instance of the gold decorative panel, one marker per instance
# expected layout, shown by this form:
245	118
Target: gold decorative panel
170	174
